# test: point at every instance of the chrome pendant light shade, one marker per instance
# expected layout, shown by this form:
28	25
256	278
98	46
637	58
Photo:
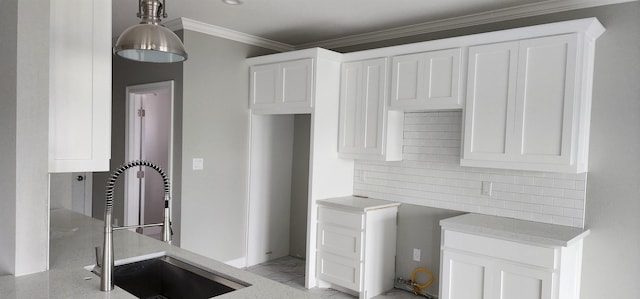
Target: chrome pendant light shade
149	41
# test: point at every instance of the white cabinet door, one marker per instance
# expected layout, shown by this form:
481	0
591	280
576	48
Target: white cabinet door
264	87
367	130
426	81
373	107
464	276
281	86
470	276
545	99
297	83
80	86
491	95
520	109
513	281
350	107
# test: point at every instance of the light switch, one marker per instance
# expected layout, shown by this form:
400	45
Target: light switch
198	164
486	188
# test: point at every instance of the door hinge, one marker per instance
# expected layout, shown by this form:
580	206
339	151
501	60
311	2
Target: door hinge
141	112
140	174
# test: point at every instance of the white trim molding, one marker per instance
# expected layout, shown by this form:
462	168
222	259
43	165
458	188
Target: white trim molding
197	26
522	11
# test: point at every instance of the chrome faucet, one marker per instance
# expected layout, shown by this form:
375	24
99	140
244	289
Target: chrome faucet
106	268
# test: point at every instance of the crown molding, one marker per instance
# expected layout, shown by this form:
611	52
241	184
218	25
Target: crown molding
197	26
528	10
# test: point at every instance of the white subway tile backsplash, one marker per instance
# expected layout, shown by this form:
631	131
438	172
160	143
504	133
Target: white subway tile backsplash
574	213
564	202
542	182
430	175
560	220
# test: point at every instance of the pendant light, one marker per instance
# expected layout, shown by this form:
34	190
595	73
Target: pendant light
149	41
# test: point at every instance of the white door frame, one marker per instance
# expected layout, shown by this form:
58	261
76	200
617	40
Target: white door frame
132	207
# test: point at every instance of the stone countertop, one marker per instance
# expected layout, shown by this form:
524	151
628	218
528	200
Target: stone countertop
356	204
537	233
73	238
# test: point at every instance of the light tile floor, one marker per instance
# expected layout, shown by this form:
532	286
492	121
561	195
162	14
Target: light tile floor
290	271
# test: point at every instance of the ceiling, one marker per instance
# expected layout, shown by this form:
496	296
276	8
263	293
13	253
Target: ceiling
305	22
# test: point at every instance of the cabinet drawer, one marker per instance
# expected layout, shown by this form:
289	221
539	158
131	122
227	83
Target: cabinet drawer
341	218
341	241
502	249
339	270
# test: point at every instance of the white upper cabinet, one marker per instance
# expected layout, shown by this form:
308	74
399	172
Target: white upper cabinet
367	130
528	104
80	86
426	81
282	85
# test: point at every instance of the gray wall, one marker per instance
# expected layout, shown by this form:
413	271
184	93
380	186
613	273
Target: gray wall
216	128
418	227
611	263
60	191
125	73
299	185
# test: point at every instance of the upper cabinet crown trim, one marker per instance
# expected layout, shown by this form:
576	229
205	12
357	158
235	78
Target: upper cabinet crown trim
295	55
591	27
523	11
193	25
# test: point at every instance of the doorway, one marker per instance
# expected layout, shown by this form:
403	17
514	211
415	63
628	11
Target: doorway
279	187
81	192
149	136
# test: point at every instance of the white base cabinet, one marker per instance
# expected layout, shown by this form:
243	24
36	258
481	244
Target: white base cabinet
487	257
80	86
356	245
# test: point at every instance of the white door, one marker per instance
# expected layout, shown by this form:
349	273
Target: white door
149	130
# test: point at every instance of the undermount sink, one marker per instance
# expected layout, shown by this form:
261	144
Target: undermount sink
168	277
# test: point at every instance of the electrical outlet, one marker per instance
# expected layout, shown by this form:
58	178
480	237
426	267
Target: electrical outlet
198	164
487	188
416	254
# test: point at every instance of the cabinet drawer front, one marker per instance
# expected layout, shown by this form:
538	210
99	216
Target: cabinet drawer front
341	218
341	241
506	250
339	270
